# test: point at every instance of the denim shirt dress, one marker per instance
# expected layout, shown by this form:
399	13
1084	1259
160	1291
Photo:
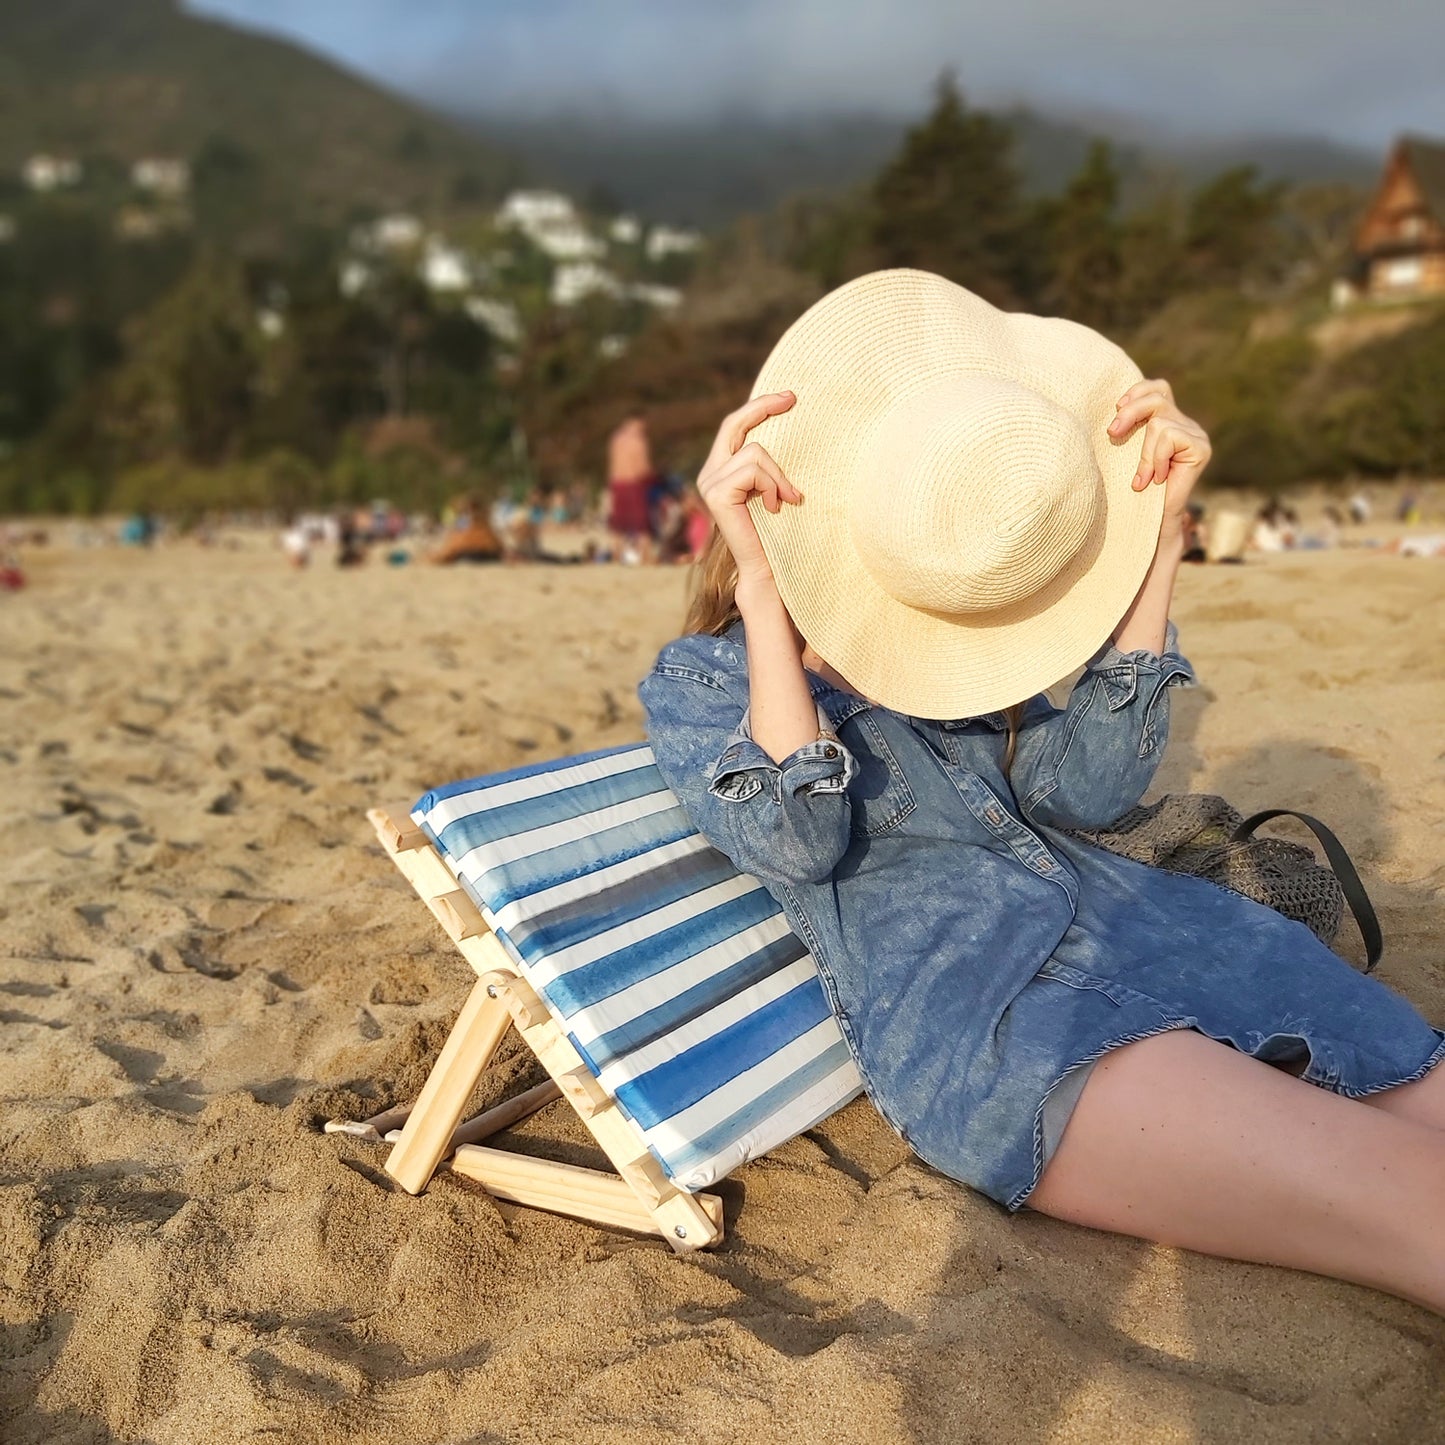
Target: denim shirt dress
976	957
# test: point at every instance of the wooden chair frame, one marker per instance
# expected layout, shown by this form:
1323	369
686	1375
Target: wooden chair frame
638	1196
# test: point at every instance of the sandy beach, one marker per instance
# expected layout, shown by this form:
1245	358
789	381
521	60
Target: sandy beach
203	954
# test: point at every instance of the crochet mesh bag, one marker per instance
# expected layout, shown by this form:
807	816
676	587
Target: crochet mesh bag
1194	833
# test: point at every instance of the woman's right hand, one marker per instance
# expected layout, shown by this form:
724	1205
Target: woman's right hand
733	472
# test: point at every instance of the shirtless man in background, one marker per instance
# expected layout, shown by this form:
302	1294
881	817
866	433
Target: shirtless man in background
630	476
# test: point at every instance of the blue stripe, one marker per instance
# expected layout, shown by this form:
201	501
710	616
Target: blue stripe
633	898
696	1072
672	1013
715	1063
524	878
558	805
767	1104
527	770
592	982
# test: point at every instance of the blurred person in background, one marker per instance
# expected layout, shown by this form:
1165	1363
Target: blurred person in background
630	477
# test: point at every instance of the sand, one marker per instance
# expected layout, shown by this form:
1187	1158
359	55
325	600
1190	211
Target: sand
203	954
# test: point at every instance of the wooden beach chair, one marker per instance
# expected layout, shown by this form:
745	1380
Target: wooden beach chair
663	992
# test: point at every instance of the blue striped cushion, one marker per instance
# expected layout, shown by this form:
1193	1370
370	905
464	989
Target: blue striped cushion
676	977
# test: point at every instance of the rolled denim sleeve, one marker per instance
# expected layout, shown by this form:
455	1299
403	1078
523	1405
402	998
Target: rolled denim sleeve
785	822
823	766
1088	763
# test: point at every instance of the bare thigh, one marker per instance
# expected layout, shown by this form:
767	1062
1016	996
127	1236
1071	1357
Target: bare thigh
1188	1142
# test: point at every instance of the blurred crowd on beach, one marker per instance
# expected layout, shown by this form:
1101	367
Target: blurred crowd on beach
645	516
1224	531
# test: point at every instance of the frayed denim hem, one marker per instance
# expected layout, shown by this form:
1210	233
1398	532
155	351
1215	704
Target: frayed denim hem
1017	1201
1438	1056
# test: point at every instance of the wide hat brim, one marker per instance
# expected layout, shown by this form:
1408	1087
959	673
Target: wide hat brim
857	352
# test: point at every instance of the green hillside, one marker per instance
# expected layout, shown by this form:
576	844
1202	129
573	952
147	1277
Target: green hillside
296	138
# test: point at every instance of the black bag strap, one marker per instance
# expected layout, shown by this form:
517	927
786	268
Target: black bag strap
1344	870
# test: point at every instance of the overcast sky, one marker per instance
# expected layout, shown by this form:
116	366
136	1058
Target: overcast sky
1355	72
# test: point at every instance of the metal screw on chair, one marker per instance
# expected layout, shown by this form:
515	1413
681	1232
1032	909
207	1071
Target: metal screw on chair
491	990
679	1231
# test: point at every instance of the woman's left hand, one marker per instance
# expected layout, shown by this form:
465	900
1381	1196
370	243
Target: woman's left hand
1176	448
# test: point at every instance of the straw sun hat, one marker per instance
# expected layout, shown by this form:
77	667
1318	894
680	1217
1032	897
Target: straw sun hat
968	532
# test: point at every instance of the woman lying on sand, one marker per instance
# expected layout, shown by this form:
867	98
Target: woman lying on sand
950	509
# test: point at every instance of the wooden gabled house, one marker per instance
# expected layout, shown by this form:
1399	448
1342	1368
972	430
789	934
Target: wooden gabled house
1399	245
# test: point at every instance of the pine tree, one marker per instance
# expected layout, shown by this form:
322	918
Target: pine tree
1084	243
1227	232
949	201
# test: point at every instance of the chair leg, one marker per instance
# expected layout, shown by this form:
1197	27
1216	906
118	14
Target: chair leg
560	1188
686	1221
480	1027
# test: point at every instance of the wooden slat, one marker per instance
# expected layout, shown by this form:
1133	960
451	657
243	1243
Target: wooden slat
581	1089
687	1221
426	872
560	1188
479	1028
639	1197
424	869
458	915
396	830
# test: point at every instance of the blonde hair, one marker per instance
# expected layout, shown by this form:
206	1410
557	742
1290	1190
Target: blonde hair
712	608
712	584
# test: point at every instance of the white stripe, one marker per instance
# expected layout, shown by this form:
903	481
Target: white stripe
646	994
497	795
635	930
524	910
552	835
704	1026
810	1107
673	1135
670	1135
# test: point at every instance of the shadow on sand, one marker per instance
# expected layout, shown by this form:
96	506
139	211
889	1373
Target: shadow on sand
1094	1336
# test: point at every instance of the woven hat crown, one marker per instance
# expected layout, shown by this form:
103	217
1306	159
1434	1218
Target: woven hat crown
975	492
969	531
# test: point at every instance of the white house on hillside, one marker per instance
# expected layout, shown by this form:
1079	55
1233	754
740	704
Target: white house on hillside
550	221
396	232
525	209
51	173
162	175
578	279
499	317
668	241
570	243
444	267
663	297
626	230
354	277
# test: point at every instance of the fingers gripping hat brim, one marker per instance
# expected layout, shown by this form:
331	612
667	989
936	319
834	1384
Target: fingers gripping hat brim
850	358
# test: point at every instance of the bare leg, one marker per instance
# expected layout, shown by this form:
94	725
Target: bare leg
1187	1142
1423	1102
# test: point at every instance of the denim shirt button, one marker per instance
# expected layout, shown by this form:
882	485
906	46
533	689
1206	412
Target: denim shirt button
830	751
